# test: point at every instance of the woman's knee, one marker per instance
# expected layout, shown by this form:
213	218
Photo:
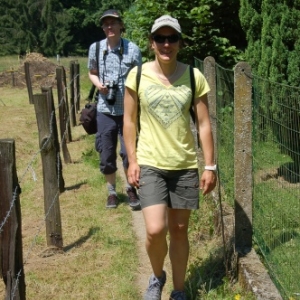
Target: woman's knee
155	232
178	231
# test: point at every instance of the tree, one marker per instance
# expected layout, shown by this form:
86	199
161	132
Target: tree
273	35
16	35
52	26
64	26
200	22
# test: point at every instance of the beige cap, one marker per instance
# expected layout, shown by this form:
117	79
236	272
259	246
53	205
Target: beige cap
164	21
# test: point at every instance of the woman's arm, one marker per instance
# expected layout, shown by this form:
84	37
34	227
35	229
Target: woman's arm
129	133
208	178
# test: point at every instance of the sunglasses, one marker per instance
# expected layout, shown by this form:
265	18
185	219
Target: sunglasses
161	39
112	24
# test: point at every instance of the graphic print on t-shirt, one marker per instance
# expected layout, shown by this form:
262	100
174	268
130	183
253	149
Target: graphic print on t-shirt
167	103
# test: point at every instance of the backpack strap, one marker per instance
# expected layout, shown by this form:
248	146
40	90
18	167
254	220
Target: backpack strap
192	112
92	89
138	79
192	79
97	54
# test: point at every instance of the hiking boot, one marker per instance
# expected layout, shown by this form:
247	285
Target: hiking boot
112	201
178	295
134	201
155	287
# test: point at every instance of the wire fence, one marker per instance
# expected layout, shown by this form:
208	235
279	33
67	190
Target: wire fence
275	167
276	193
276	180
15	289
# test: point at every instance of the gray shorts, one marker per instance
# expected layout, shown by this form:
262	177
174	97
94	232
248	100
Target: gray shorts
176	189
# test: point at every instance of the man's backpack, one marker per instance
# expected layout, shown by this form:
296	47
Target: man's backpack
88	118
88	115
192	113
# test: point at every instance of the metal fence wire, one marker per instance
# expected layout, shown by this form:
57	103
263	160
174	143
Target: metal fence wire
276	171
276	189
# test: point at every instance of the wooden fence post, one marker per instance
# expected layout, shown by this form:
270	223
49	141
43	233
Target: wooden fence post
13	82
243	157
65	129
71	78
77	86
73	109
52	116
28	82
10	221
72	96
50	177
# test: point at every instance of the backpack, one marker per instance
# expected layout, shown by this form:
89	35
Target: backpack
88	115
192	113
88	118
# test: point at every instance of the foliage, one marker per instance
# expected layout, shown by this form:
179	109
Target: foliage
16	26
272	31
63	27
52	26
200	22
273	35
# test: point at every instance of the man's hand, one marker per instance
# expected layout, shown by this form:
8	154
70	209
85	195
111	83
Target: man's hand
102	89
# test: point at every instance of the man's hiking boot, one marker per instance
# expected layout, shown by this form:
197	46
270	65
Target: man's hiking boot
155	287
178	295
134	201
112	201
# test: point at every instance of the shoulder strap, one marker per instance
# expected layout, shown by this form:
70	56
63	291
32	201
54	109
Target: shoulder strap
192	79
92	90
138	79
192	112
97	54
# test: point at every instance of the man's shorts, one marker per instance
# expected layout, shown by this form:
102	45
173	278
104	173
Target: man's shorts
174	188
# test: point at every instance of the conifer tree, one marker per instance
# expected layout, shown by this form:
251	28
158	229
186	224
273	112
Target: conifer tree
15	35
273	35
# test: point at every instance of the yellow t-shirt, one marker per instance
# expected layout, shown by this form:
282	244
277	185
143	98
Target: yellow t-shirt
165	139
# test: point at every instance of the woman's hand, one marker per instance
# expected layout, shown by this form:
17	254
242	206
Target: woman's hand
133	174
208	181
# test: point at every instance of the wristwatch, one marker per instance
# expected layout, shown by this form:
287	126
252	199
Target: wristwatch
211	168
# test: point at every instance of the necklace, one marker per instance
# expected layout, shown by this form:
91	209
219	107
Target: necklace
168	77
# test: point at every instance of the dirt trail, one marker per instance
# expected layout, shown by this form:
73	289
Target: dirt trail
144	270
144	264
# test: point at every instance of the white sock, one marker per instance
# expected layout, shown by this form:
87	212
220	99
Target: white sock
111	189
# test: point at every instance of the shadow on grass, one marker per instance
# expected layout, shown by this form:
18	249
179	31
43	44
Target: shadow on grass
206	275
123	199
290	172
82	240
76	186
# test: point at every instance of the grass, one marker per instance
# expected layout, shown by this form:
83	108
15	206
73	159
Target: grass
99	254
277	232
99	258
9	63
206	276
276	215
